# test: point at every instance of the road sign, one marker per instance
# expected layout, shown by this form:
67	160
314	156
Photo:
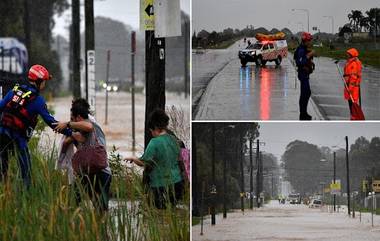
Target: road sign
335	188
146	15
167	18
376	185
91	79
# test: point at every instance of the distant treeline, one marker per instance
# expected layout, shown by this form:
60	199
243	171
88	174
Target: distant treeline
307	165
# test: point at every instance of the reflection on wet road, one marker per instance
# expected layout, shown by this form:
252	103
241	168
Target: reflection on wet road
266	93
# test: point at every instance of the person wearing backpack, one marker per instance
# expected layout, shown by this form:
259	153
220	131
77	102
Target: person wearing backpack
303	57
162	157
19	115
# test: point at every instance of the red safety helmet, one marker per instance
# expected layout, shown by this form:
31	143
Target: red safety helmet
306	36
38	72
353	52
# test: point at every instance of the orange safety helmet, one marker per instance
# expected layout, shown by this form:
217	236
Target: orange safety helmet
353	52
306	36
38	72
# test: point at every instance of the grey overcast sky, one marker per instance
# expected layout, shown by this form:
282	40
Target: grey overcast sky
277	135
126	11
220	14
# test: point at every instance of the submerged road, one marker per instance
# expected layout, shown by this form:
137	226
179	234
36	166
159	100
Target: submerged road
288	222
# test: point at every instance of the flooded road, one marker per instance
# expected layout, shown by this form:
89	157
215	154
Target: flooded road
288	222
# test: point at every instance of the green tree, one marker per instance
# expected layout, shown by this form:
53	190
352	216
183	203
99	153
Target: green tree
355	17
41	21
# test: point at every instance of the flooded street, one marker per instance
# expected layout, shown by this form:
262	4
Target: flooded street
288	222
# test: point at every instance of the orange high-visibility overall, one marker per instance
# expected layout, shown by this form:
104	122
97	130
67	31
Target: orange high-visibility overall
353	77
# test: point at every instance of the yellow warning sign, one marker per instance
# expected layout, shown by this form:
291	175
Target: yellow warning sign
335	188
146	15
376	185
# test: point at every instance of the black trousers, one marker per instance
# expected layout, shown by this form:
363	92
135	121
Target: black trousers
12	147
97	186
305	93
167	195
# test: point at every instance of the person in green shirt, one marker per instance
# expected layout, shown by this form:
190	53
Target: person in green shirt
161	159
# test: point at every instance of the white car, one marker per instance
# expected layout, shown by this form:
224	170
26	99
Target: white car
316	203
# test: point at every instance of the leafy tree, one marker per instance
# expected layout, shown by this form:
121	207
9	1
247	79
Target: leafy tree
355	18
374	20
41	21
230	146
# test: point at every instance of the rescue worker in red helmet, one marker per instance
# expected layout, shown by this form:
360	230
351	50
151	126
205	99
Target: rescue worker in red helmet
353	77
303	57
19	115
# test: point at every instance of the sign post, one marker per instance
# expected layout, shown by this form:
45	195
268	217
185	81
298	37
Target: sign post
91	79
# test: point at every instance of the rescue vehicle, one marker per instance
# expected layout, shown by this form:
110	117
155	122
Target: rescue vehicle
268	48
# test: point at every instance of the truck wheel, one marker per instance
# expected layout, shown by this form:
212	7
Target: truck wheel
264	62
243	63
259	61
278	60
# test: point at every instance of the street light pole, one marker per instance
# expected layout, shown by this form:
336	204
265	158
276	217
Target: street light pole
348	179
258	173
213	176
225	182
334	179
242	174
251	175
308	16
332	23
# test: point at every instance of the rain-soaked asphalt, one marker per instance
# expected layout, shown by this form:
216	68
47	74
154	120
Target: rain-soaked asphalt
271	93
206	64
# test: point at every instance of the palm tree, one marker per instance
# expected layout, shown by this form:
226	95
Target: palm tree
355	17
364	24
374	20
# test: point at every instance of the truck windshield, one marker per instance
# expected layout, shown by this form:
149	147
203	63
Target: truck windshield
255	46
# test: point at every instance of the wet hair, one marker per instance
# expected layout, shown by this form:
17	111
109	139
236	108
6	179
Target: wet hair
80	107
158	119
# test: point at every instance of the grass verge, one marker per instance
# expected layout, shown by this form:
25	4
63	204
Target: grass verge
48	211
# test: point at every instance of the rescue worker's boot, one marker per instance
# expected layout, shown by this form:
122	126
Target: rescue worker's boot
305	116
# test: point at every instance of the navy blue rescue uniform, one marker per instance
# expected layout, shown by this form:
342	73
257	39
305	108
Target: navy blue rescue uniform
19	112
303	68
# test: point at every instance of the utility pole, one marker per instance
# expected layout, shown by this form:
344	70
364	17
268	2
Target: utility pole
334	179
90	36
225	180
250	175
133	54
261	174
27	25
107	83
258	173
75	8
186	42
242	192
194	176
348	179
272	182
154	77
213	187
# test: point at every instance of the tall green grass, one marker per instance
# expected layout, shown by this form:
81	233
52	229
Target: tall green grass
48	211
